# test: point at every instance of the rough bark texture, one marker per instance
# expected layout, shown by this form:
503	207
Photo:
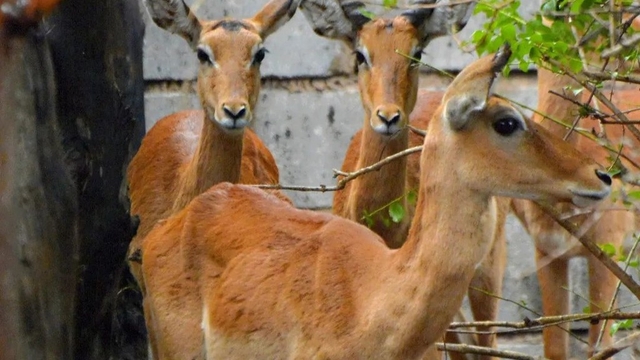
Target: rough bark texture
71	116
97	55
38	209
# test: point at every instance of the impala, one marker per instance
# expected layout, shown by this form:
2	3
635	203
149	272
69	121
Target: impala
187	152
388	85
241	274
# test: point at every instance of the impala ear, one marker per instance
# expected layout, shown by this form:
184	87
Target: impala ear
435	21
175	17
335	20
273	15
470	90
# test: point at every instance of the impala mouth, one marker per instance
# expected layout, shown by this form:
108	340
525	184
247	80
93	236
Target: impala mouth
583	198
231	124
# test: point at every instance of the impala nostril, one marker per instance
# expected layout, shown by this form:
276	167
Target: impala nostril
389	120
237	114
604	177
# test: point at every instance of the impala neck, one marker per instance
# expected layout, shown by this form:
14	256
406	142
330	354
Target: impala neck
428	277
217	158
377	189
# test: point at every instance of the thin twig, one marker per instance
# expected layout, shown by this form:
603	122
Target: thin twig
603	99
617	347
346	176
604	76
417	131
481	350
585	239
615	294
547	320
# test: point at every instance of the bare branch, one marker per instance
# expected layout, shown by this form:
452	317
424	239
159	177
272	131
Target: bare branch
605	76
588	243
631	41
549	320
346	176
617	347
417	131
481	350
603	99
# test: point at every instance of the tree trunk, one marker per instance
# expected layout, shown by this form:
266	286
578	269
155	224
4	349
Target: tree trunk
65	290
97	55
38	209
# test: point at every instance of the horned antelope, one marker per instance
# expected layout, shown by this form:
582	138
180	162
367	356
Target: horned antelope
555	246
187	152
388	85
254	278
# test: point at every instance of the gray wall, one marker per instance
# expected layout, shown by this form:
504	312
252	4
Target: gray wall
309	108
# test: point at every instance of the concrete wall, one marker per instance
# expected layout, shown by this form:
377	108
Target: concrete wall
309	108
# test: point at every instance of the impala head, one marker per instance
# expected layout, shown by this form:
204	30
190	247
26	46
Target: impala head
384	48
229	51
498	151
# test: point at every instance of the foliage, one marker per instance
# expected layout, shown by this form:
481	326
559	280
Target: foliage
395	210
533	42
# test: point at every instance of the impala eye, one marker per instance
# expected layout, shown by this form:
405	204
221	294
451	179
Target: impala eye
507	126
360	58
259	56
204	57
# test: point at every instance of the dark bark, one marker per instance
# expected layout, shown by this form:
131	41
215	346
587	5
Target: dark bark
38	208
97	55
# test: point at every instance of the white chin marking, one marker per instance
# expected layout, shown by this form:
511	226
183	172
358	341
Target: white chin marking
581	201
384	130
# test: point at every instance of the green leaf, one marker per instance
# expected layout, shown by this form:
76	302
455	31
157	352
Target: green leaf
389	3
508	32
586	309
368	14
634	195
412	197
608	249
396	211
621	325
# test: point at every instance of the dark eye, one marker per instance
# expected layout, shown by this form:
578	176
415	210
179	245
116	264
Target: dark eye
204	57
360	58
259	56
506	126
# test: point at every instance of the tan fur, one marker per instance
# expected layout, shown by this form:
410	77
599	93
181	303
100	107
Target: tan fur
391	85
275	282
186	153
554	246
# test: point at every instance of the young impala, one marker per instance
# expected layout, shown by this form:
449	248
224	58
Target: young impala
187	152
252	277
389	90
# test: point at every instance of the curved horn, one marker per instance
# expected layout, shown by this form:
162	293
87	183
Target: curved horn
333	19
176	17
439	18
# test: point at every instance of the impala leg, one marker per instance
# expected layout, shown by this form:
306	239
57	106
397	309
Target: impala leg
555	301
602	285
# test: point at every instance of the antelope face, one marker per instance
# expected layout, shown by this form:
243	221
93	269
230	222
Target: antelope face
504	153
487	143
230	53
387	78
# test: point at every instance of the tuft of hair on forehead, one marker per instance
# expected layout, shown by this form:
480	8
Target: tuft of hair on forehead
230	25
